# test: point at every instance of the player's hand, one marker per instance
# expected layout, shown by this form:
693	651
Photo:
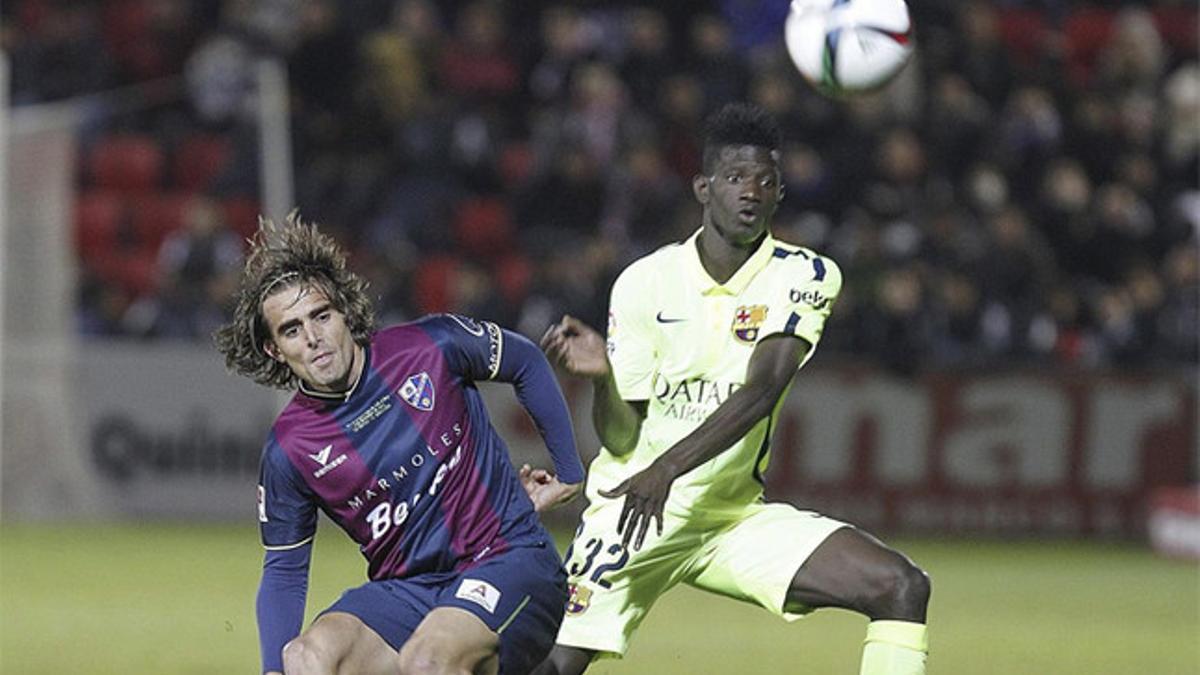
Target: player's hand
577	348
545	490
645	495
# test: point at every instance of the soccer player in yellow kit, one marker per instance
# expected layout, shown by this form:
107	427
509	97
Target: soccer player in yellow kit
704	339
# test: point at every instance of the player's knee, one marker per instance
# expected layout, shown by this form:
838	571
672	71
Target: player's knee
305	655
900	590
915	586
425	656
415	657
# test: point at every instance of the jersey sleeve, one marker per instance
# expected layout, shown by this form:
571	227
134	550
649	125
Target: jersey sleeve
287	515
279	605
630	338
803	299
526	368
473	348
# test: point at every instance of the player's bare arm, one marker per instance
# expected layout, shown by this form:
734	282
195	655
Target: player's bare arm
577	348
771	369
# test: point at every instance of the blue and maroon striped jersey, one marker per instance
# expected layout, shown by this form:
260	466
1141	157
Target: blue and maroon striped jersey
406	462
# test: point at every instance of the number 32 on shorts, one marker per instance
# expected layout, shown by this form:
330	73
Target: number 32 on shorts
610	559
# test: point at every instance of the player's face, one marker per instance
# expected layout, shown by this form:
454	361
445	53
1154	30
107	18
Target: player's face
741	194
311	337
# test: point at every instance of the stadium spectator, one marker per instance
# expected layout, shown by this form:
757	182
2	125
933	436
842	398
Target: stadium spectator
564	45
198	267
1080	115
475	64
317	69
648	59
57	51
220	78
641	190
563	203
723	73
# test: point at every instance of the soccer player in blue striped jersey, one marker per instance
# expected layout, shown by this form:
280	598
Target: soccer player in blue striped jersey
388	436
705	337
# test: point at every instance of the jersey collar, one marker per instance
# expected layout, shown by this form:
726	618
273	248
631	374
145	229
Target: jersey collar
740	279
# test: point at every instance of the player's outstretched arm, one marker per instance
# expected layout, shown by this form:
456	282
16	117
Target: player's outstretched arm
577	348
771	369
532	378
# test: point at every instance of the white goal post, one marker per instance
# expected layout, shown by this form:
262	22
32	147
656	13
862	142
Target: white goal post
45	467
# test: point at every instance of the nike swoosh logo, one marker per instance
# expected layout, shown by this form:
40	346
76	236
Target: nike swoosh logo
663	319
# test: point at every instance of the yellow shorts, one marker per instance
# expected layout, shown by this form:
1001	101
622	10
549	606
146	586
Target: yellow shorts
750	554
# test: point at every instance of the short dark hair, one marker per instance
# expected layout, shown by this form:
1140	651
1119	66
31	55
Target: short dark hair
283	256
739	124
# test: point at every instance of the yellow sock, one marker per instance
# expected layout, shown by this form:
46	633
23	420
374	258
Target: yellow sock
895	648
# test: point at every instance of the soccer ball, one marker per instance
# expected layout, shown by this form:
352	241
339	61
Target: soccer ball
848	46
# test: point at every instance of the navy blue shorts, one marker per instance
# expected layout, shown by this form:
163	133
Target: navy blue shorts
520	594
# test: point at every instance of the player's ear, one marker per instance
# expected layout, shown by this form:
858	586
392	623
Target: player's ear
272	351
700	187
782	193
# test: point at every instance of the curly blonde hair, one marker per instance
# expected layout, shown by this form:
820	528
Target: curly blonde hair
283	256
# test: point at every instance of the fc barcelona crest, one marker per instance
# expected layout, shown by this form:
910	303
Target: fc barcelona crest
747	321
578	599
417	391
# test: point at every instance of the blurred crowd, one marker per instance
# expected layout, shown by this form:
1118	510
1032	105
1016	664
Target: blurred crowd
1026	192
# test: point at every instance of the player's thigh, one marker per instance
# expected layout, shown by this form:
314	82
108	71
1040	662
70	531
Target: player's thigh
343	643
519	596
756	559
611	587
388	611
451	639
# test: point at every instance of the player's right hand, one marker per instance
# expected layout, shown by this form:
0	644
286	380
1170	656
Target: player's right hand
545	490
576	347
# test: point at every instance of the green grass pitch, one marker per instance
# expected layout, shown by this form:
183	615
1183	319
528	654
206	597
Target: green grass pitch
180	600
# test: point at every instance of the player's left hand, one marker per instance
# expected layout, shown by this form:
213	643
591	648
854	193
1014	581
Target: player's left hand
545	490
645	494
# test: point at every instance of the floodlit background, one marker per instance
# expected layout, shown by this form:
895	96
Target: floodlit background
1006	389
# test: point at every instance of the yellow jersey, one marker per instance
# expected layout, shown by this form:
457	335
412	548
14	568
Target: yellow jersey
682	342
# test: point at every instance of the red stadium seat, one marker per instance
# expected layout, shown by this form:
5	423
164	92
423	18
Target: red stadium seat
131	36
124	22
157	215
1179	26
242	215
1023	31
139	274
130	163
1086	32
433	284
98	216
134	272
514	274
516	164
483	227
200	159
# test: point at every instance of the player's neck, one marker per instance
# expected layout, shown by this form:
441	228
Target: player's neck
720	259
341	390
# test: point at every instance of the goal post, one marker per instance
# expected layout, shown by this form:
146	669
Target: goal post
42	473
50	397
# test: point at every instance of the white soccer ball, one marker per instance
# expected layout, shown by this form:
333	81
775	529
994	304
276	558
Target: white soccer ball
848	46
